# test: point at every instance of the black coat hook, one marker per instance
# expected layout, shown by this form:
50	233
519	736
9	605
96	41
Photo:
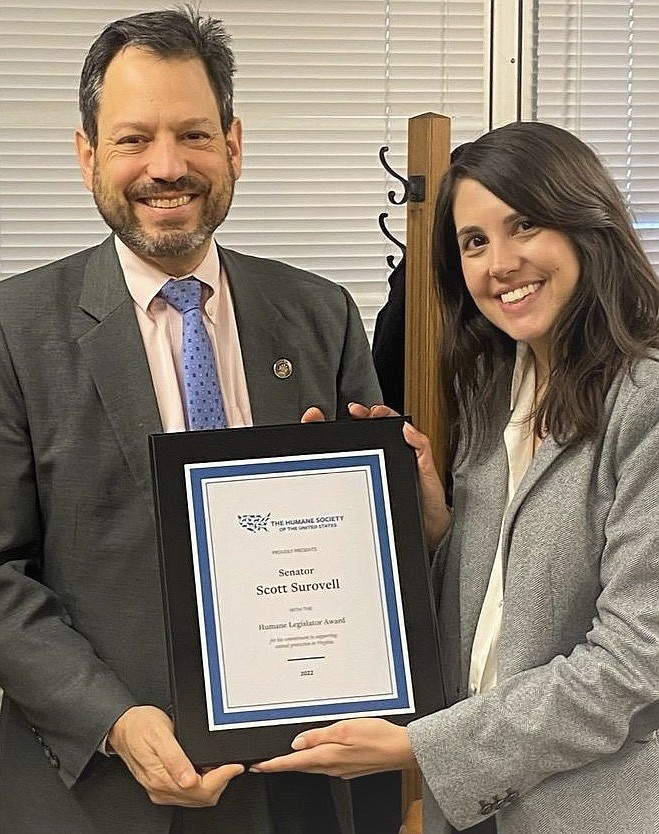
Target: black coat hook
385	231
392	194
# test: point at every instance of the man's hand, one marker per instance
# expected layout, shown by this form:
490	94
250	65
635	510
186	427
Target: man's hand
144	738
313	415
348	749
360	412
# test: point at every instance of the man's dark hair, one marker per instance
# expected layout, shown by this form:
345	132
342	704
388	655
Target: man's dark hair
556	181
176	33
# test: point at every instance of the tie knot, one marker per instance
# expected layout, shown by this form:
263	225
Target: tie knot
184	295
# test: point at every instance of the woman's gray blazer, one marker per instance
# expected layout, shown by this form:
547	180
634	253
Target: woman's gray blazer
567	742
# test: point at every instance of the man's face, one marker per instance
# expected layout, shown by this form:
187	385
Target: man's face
163	172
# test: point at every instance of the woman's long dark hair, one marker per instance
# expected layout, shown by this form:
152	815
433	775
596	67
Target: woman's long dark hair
555	180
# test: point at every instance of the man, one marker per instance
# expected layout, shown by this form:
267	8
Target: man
90	364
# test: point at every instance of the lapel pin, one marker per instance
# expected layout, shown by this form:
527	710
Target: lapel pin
283	368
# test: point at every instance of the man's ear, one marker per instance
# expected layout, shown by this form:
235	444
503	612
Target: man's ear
234	140
85	157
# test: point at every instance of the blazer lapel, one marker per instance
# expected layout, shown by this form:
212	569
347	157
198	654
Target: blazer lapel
544	458
491	478
265	340
116	358
476	561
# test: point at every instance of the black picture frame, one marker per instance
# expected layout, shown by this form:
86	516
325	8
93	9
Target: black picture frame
175	460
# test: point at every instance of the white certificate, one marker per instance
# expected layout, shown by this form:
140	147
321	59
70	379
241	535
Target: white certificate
298	597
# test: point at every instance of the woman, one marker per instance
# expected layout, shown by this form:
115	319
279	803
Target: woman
547	566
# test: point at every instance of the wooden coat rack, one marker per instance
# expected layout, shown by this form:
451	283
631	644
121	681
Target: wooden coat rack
428	158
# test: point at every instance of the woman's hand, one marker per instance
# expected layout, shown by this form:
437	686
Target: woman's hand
436	516
351	748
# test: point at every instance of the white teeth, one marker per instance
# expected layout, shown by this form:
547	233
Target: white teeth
161	202
520	293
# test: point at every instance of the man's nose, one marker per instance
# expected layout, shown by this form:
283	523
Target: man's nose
166	160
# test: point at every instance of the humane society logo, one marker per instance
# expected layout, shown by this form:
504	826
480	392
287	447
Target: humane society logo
254	522
260	523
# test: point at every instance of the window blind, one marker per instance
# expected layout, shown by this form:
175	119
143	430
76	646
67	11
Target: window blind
320	88
598	75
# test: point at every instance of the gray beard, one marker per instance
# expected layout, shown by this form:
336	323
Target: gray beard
165	245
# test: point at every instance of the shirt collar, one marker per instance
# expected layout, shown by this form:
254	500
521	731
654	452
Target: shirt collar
524	365
144	280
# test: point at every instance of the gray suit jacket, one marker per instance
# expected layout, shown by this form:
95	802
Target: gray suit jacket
566	743
81	621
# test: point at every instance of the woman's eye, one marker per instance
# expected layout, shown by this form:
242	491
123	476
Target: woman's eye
473	242
525	225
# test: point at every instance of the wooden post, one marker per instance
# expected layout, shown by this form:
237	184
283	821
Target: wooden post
428	157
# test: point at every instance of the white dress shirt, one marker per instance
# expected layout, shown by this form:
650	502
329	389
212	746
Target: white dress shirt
518	440
161	328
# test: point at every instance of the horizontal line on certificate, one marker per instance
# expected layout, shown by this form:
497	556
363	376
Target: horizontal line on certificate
311	657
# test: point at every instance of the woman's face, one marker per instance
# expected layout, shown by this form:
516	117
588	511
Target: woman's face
520	275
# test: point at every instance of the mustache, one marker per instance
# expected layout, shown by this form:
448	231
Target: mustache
183	185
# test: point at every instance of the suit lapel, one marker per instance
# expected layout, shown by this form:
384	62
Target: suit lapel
543	459
265	338
116	358
476	564
476	561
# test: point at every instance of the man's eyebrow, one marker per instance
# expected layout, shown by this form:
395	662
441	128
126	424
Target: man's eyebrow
186	124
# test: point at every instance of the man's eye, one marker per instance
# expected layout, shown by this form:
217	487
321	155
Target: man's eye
197	136
131	140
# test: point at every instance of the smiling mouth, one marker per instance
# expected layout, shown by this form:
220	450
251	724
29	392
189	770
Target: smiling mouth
167	202
520	293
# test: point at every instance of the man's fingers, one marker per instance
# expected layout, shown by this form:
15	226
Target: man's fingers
359	411
203	792
356	410
313	415
152	743
177	764
362	412
214	781
383	411
144	738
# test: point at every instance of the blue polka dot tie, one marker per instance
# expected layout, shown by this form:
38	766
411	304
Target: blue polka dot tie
203	397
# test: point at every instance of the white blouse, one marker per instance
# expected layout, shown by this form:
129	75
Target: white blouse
518	440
